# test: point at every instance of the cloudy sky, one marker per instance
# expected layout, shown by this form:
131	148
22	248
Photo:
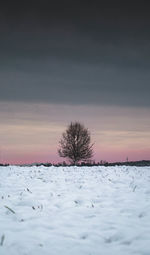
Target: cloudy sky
62	61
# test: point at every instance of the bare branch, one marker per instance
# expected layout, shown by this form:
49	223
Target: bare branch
76	143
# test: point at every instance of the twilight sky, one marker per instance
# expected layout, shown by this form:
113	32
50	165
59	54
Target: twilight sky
62	61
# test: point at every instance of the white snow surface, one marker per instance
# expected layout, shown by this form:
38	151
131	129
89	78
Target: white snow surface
74	210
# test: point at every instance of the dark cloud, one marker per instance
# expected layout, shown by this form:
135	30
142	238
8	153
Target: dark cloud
77	53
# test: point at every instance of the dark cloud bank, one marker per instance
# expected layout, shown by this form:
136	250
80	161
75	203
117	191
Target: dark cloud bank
75	52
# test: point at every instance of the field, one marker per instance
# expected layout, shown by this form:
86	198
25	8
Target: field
74	210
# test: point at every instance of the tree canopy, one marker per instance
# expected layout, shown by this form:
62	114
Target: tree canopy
75	143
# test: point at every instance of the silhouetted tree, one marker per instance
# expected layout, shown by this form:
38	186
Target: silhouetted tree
76	143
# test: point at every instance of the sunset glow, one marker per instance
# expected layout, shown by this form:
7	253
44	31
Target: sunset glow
63	62
31	132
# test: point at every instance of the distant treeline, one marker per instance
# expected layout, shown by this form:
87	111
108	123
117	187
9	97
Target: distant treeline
131	163
101	163
4	164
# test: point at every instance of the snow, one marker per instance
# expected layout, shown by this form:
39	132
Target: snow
74	210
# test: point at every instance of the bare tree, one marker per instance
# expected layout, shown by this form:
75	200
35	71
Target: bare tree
76	143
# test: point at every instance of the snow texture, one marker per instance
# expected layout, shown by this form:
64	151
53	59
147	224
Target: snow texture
74	210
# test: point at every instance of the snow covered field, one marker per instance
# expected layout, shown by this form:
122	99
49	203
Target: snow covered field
74	211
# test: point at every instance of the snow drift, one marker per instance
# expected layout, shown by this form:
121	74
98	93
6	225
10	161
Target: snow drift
74	210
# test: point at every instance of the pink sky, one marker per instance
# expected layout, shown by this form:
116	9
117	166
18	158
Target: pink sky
31	132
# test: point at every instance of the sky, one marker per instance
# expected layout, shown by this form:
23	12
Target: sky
63	61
